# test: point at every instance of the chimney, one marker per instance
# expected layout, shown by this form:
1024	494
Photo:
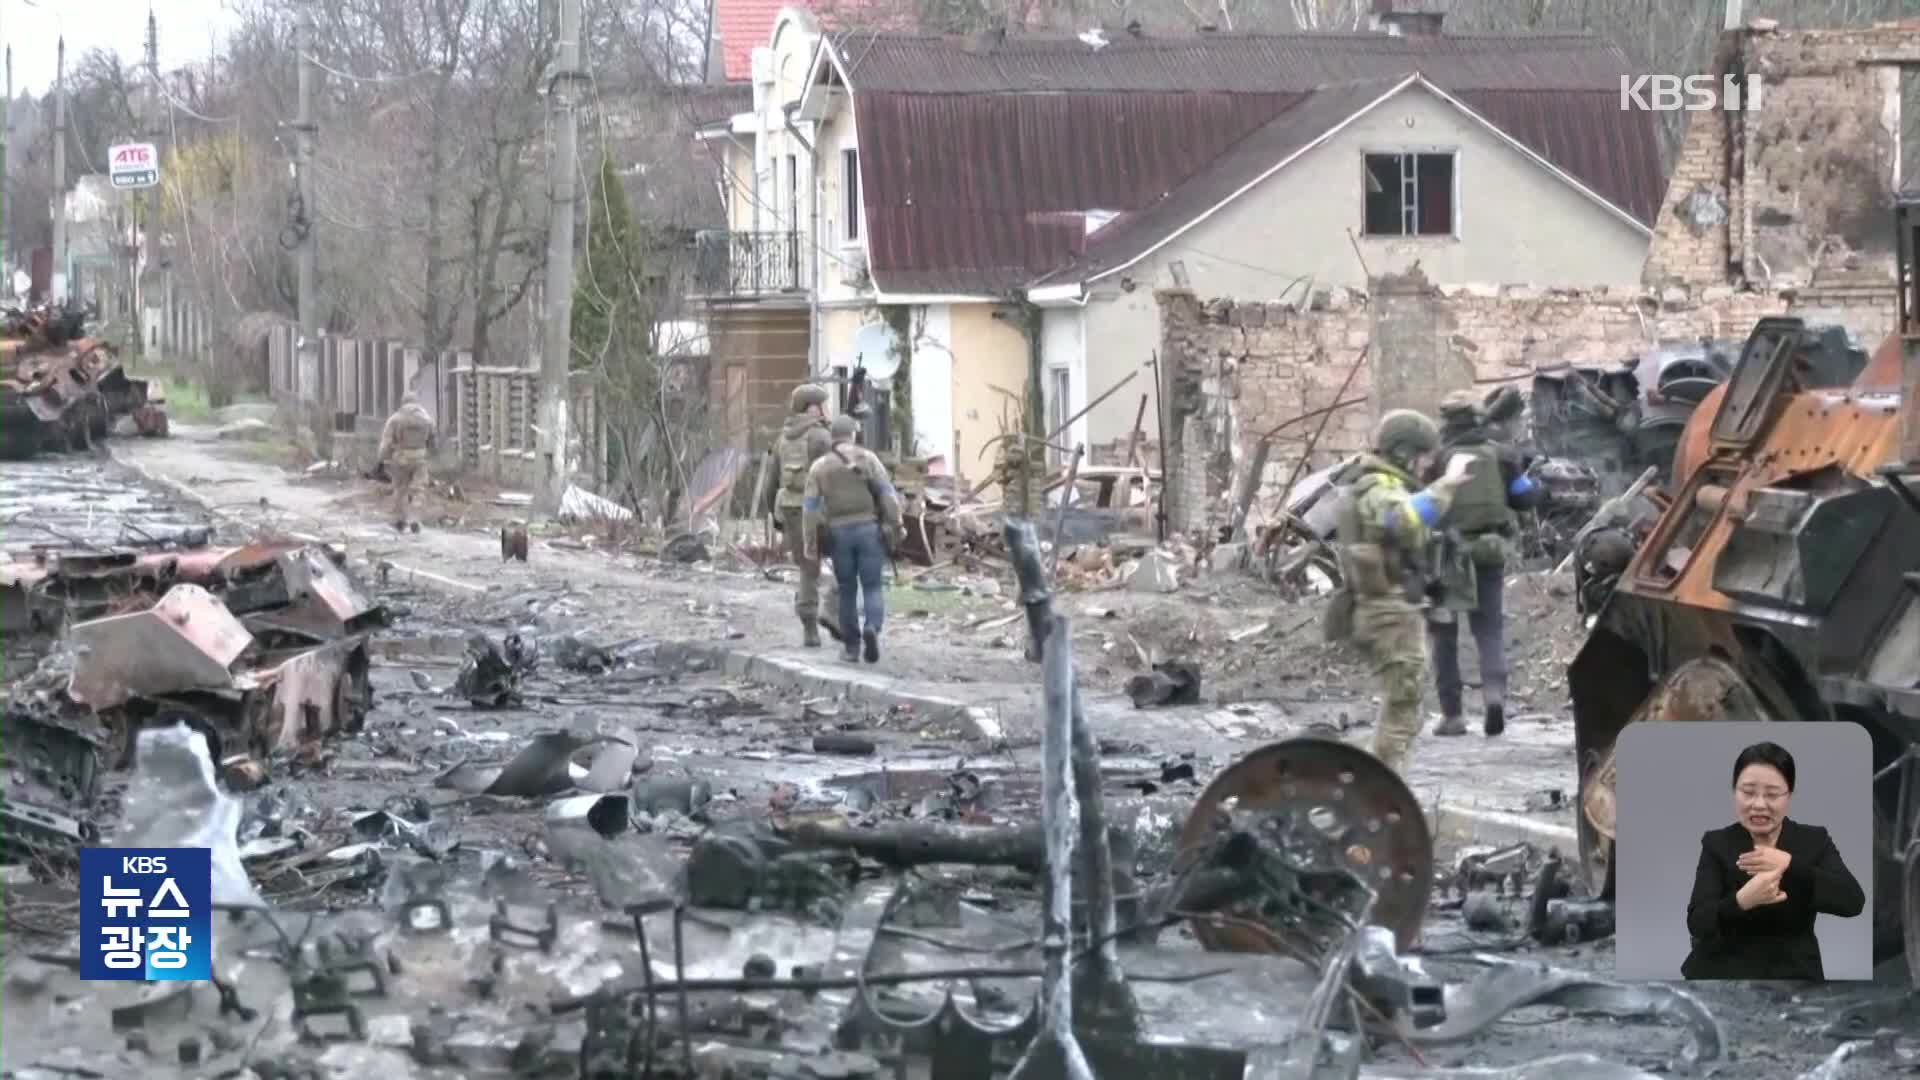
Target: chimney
1409	18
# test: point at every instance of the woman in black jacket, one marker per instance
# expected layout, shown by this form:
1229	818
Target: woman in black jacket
1762	880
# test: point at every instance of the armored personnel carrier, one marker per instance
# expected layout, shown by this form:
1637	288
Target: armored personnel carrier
1782	582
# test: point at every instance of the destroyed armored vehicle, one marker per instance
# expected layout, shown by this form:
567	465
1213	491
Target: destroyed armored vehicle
1782	581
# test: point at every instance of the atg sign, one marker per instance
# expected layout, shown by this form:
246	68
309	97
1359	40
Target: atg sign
133	165
1690	93
146	913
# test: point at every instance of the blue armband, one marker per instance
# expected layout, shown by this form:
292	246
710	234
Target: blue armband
1521	487
812	504
1426	507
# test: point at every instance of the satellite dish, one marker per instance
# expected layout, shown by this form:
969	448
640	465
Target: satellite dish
873	349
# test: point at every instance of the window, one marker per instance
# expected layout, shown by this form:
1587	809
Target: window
1409	195
1060	400
850	184
793	192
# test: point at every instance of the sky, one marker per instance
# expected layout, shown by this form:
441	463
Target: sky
32	27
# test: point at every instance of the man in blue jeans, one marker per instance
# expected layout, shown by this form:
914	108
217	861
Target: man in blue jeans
848	489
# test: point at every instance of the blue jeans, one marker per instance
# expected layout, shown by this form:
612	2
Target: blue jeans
858	557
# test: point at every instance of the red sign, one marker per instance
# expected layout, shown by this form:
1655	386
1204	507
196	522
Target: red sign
129	156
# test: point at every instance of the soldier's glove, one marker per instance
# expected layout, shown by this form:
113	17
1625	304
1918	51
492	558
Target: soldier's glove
779	523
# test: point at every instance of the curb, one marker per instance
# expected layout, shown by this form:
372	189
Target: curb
820	679
1474	825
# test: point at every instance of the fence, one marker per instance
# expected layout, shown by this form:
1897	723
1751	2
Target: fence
486	415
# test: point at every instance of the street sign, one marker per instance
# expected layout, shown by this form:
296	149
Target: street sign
133	165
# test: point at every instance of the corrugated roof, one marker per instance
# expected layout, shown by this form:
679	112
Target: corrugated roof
1038	129
1225	63
1306	120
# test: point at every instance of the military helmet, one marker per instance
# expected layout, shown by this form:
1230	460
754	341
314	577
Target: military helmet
807	395
1403	433
1462	405
843	427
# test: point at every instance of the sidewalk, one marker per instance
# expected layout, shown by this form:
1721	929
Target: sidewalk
744	624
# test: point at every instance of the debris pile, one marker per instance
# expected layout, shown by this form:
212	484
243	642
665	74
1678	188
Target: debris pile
261	649
61	391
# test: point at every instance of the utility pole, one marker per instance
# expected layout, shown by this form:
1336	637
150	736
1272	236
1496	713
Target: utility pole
59	260
6	219
307	366
556	351
142	213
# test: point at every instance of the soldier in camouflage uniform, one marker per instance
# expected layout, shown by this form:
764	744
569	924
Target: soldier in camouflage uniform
802	441
405	441
849	491
1384	533
1481	524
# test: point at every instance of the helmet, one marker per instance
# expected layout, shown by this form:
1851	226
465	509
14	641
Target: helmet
807	395
1402	434
843	427
1462	406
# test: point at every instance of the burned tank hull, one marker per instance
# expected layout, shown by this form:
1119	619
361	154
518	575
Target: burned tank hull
1781	582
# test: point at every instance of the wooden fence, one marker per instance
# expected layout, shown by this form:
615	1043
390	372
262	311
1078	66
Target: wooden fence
486	415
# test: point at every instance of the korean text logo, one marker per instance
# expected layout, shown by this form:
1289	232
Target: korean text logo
1690	93
146	913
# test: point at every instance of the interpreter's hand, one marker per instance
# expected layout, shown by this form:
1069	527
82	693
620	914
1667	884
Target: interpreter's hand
1762	890
1765	860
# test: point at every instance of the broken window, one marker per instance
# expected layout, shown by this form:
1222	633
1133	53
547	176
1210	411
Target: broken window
1409	194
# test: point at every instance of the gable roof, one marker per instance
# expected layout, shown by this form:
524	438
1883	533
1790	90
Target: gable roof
1037	130
1310	121
745	25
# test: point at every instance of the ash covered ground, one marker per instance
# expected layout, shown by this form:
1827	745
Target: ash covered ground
348	841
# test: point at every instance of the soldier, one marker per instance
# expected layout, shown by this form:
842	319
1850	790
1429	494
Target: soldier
1384	532
849	490
1481	523
406	440
802	441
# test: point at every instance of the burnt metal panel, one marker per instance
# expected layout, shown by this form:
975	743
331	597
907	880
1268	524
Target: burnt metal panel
1795	549
1752	393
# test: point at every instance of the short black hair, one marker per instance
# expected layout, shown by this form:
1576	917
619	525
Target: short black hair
1765	753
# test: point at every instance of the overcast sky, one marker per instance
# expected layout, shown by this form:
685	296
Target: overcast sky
31	27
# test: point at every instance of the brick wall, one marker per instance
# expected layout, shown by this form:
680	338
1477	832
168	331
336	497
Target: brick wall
1799	189
1250	368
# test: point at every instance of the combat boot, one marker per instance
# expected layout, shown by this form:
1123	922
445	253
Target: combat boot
1496	721
872	640
415	526
1451	725
810	629
399	526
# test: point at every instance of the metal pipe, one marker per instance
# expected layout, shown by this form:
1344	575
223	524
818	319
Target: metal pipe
1103	983
1055	1051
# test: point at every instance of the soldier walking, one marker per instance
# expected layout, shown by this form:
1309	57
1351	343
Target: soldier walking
850	491
1481	523
802	441
1384	532
405	442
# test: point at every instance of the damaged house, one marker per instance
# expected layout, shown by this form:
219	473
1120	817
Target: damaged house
983	202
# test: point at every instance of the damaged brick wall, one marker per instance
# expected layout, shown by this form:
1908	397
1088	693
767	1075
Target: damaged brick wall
1253	367
1800	189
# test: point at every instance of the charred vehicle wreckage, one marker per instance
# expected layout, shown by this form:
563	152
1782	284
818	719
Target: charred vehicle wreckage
1780	579
262	649
782	945
61	390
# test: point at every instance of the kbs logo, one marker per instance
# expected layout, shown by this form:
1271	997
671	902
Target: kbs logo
1690	93
146	914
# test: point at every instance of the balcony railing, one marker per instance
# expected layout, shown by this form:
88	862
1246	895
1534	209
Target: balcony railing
751	263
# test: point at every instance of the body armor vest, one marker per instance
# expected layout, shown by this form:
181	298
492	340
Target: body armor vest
796	456
1480	506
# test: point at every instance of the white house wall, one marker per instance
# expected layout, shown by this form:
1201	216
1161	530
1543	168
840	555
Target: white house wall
932	381
1517	223
1063	344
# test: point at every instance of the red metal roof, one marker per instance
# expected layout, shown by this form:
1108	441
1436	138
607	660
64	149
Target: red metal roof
745	25
1036	130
